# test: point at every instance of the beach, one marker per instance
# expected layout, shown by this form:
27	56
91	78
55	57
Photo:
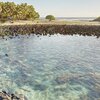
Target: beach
57	21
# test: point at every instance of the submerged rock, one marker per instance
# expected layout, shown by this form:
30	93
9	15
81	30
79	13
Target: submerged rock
6	55
40	87
69	77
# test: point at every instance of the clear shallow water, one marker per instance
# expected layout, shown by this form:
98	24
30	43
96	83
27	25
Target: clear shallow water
51	68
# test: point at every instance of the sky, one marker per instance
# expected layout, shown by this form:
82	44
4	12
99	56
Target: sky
64	8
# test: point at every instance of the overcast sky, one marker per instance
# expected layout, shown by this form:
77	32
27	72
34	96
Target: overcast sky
65	8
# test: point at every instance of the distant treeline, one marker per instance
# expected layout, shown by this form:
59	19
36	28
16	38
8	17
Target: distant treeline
12	11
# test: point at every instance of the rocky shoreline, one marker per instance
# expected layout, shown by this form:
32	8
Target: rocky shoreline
44	29
6	96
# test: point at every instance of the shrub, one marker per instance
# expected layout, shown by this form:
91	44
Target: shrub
50	17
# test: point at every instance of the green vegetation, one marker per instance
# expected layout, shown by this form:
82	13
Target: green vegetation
97	19
12	11
50	17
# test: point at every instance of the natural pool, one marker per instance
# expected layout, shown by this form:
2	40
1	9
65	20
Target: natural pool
53	67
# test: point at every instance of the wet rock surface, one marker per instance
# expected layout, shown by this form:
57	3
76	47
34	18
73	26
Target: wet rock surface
6	96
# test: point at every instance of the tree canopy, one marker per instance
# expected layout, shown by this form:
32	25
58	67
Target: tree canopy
50	17
14	11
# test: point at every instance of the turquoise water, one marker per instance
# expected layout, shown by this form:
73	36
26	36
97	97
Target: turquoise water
53	67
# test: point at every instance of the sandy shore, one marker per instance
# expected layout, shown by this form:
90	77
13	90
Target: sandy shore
57	22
